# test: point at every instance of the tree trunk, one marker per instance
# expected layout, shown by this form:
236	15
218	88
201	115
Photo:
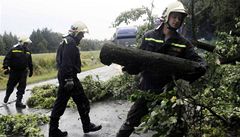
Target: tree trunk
145	60
201	45
230	60
193	20
211	48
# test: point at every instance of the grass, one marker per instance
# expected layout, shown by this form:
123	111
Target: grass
44	66
43	77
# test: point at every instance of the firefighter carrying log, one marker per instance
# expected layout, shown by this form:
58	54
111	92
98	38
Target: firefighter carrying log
165	40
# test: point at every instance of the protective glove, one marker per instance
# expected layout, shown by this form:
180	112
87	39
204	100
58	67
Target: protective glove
196	74
201	70
69	84
6	71
131	70
30	74
5	67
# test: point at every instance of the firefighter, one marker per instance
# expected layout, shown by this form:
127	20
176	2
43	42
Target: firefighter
163	39
17	63
69	64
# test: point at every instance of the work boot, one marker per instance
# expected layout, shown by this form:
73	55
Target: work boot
91	128
54	131
57	133
19	103
124	133
125	130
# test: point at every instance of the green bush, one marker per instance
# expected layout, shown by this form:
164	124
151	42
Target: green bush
43	96
94	89
122	86
22	125
208	107
119	87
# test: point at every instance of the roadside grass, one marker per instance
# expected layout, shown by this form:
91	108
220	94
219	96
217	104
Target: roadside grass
44	66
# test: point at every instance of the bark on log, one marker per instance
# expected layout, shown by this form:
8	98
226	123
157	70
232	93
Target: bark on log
145	60
202	45
230	60
235	33
211	48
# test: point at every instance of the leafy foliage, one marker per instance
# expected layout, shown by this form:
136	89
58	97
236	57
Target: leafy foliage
22	125
121	86
118	88
42	97
228	46
136	14
208	107
211	16
130	16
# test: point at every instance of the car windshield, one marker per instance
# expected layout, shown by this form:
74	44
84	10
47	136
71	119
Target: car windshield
127	31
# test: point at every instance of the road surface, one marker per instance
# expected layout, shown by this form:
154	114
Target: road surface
111	114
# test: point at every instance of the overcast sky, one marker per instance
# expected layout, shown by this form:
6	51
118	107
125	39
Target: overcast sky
21	17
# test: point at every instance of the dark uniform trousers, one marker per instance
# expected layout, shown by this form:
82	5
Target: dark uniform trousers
78	96
137	111
17	77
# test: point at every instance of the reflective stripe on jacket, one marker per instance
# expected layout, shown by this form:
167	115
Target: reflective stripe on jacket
177	46
18	58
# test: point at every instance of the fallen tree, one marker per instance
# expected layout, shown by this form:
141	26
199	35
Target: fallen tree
230	60
145	60
204	46
211	48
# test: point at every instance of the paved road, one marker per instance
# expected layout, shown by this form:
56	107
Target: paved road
104	73
110	114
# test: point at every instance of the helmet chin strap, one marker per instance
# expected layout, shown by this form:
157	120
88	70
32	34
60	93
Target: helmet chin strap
77	39
170	27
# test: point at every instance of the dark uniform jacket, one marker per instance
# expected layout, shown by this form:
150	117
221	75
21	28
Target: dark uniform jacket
68	58
18	58
177	46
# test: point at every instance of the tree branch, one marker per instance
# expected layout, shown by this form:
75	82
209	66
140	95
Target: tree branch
205	46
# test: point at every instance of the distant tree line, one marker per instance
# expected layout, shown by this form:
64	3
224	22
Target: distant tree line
44	41
88	44
6	42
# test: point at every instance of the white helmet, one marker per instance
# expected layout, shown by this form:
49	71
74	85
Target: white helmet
173	7
77	27
24	39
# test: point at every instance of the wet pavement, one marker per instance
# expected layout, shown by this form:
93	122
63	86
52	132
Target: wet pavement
110	114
